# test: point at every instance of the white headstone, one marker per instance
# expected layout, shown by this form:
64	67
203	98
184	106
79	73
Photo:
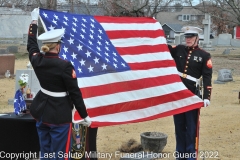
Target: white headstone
225	75
224	39
235	42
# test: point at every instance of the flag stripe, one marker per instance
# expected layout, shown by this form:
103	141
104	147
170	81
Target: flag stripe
124	20
130	42
128	86
125	76
109	122
166	109
149	65
143	49
142	104
129	96
150	111
131	26
161	57
136	34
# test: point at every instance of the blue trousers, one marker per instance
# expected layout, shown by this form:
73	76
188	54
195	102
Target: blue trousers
55	141
186	130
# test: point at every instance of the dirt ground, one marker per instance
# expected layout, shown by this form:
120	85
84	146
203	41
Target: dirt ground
220	122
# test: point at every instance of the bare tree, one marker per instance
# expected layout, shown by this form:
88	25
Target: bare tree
3	2
28	5
178	7
51	4
225	13
11	3
134	8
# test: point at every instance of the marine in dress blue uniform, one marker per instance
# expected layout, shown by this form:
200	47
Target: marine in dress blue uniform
192	63
53	104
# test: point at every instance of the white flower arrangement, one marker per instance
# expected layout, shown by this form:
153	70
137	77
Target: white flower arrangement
23	80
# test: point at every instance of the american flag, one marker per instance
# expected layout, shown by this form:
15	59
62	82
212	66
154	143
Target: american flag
19	103
124	69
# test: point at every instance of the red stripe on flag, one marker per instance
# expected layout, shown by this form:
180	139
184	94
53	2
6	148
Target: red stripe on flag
142	49
150	65
134	34
126	20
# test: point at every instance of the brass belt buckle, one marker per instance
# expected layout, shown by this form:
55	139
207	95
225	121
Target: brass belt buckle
184	75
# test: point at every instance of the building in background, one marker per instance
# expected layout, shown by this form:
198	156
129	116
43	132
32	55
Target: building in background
171	30
173	19
237	32
14	22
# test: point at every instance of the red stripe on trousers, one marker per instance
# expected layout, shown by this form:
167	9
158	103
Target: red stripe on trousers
68	144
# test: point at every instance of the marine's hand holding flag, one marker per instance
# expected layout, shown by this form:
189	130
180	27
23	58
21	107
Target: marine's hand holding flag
124	69
35	14
86	122
206	102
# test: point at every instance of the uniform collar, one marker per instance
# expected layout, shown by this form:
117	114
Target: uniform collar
50	54
192	48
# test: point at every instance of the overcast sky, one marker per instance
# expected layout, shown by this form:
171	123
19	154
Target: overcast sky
195	2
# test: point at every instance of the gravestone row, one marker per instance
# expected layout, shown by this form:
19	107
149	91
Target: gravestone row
9	49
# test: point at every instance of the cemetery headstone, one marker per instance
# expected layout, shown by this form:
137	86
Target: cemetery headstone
7	62
12	49
235	42
33	82
226	51
224	39
3	51
225	75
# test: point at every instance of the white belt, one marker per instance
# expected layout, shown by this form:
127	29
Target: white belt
184	75
53	94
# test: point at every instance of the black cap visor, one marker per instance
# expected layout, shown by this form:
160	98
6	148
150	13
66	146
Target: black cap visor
190	35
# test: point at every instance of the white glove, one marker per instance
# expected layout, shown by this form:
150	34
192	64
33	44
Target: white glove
87	121
35	14
206	102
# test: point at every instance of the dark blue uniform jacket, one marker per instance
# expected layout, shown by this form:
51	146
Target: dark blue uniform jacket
195	62
55	75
